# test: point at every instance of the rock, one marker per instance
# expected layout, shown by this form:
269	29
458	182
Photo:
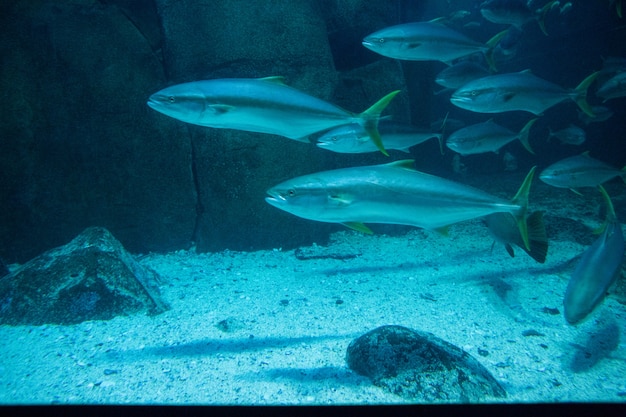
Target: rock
420	366
90	278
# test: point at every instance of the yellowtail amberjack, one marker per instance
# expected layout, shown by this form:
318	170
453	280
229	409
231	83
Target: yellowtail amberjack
580	171
392	193
427	41
518	91
353	138
597	270
487	137
264	105
516	13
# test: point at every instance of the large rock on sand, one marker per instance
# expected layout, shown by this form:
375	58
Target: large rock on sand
420	366
90	278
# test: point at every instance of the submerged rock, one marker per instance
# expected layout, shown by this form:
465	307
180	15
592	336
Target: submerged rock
420	366
90	278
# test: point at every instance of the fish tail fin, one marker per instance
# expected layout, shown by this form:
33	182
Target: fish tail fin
491	45
370	117
521	199
541	18
524	133
618	8
581	94
537	237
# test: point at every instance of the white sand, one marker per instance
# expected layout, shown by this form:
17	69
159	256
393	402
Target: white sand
293	352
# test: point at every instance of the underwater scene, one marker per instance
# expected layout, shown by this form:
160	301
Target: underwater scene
312	202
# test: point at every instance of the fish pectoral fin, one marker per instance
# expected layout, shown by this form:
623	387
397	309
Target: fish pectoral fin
509	250
359	227
340	200
508	96
221	108
414	45
575	191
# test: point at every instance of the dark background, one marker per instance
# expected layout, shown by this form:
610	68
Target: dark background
79	147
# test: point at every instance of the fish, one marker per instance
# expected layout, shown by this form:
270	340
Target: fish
571	135
579	171
614	87
487	137
393	193
504	230
459	74
515	12
427	41
602	114
597	270
264	105
518	91
352	138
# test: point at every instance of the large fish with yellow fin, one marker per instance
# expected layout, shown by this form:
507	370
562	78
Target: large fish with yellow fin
264	105
393	193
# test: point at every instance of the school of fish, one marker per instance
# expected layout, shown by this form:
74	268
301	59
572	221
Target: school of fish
397	193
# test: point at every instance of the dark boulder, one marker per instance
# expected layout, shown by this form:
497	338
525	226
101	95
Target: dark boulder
90	278
420	366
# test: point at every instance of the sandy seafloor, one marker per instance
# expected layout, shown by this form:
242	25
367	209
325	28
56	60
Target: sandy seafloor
290	320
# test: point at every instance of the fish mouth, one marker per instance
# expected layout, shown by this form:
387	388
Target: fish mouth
459	99
367	43
275	199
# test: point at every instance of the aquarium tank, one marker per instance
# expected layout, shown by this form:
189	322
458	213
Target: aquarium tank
312	202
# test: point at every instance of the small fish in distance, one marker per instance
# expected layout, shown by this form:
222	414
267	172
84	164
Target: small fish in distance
518	91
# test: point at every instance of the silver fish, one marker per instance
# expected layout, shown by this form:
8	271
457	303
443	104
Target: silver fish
460	73
504	230
393	193
487	137
264	105
614	87
427	41
515	12
571	135
518	91
579	171
602	114
597	270
352	138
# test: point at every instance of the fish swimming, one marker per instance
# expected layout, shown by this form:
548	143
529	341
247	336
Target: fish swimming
614	87
579	171
459	74
571	135
487	137
515	12
602	114
597	270
504	230
393	193
518	91
352	138
427	41
264	105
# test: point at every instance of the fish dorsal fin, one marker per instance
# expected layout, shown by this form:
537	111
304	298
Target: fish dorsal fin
404	164
359	227
526	71
276	79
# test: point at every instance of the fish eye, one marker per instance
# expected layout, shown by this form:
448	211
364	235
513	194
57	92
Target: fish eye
381	40
291	193
171	99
